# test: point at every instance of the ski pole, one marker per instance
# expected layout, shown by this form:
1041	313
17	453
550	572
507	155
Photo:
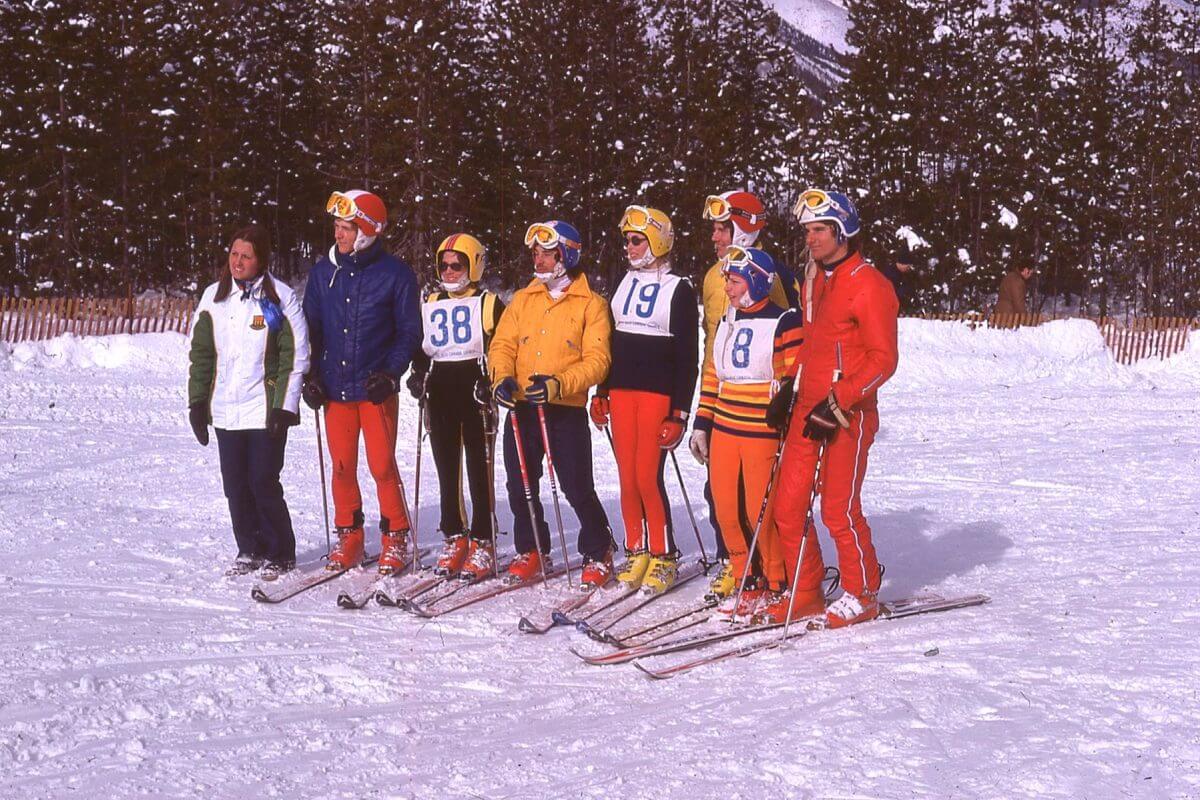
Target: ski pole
516	427
766	501
488	413
562	536
808	523
691	514
417	477
324	491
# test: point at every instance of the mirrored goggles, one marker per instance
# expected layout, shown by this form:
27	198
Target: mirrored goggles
546	237
718	209
638	218
344	207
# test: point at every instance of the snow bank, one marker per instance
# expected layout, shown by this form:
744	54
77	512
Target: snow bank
937	354
160	353
1181	369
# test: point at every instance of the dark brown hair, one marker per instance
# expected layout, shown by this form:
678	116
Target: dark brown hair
260	242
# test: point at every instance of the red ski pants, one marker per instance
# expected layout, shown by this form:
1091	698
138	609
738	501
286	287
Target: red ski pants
739	468
377	423
635	418
842	471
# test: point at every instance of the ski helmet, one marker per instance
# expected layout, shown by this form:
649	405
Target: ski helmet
556	234
469	248
653	224
743	210
754	266
818	205
364	209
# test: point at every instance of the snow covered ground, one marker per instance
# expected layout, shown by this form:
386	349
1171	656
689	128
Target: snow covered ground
1025	465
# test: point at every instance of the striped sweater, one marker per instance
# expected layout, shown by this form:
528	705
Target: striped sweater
742	377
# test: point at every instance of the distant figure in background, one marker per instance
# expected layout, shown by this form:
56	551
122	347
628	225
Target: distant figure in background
897	272
1012	291
249	352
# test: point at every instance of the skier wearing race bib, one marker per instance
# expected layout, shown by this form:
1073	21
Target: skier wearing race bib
849	352
364	322
550	348
754	350
738	220
450	371
648	392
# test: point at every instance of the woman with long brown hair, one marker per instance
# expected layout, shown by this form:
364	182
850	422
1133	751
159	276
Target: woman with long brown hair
249	352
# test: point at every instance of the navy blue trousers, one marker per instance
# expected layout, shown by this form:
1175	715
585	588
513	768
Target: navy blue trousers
571	447
250	465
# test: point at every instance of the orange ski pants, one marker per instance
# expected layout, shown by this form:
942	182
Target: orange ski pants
739	468
377	423
635	417
842	471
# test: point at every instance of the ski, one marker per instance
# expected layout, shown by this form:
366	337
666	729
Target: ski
289	586
887	611
598	624
689	617
397	593
363	587
471	593
564	616
552	610
716	632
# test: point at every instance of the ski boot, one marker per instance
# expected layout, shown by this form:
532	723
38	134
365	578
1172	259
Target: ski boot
273	570
480	562
850	610
722	585
737	611
348	552
526	567
243	565
453	555
774	607
660	574
597	573
393	553
633	571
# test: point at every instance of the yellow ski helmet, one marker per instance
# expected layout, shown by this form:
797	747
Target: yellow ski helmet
651	223
470	248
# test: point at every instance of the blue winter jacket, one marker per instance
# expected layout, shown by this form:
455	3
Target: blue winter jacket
364	316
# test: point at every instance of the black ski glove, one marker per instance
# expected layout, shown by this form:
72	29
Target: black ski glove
198	416
823	421
416	384
380	386
313	393
505	392
279	420
780	407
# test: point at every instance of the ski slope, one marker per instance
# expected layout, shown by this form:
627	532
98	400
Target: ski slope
1021	464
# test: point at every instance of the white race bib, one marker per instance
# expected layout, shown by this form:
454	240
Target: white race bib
453	328
642	303
744	350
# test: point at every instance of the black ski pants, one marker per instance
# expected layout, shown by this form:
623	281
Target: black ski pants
455	427
251	461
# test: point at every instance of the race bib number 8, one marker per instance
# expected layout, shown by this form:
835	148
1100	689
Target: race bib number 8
453	329
745	350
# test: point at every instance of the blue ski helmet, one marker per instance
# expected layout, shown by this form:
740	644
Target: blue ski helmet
818	205
752	265
557	234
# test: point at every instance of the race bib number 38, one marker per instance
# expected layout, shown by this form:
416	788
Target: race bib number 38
453	329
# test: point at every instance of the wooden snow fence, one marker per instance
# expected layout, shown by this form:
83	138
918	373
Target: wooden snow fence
1129	340
30	319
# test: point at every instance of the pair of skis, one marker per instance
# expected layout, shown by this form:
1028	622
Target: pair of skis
771	637
301	580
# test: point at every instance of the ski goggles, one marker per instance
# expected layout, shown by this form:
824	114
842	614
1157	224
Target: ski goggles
718	209
547	238
638	218
344	207
816	203
738	260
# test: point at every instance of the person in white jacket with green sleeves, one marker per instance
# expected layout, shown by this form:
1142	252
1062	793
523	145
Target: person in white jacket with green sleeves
249	352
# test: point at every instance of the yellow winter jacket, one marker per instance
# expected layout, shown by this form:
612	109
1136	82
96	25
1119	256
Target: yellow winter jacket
568	338
716	304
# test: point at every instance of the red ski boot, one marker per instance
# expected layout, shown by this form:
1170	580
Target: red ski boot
526	567
393	554
349	550
453	555
774	609
850	610
480	563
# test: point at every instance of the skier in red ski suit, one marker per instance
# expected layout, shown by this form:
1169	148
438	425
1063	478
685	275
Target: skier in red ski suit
849	351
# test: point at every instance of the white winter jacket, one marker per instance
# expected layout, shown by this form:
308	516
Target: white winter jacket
238	364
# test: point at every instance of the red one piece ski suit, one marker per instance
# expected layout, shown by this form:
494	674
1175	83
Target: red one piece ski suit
850	331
